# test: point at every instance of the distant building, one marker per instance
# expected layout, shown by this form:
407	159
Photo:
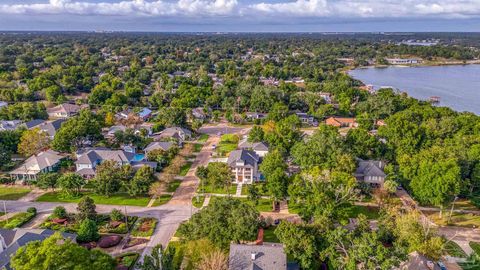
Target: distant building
178	133
10	124
260	148
51	127
371	172
244	165
43	162
403	61
307	119
65	110
255	115
341	122
12	240
3	104
269	256
88	160
34	123
199	113
164	146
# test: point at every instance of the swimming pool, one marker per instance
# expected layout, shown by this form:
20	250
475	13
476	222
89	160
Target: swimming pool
138	157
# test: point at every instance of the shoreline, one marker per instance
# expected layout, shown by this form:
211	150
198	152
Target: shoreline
425	64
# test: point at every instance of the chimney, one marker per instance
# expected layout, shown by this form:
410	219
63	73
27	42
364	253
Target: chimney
254	256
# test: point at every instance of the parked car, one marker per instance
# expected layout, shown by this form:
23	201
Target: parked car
441	265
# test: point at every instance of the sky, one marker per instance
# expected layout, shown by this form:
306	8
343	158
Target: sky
242	15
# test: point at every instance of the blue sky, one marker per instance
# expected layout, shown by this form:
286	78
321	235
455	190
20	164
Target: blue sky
241	15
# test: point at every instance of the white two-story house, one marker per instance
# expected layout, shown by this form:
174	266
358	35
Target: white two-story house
244	165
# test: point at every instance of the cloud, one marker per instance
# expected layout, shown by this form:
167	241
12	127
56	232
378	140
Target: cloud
337	9
371	8
122	8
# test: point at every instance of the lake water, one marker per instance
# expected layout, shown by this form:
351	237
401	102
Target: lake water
457	86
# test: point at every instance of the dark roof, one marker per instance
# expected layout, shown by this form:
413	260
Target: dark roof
268	256
51	127
34	123
370	168
256	146
249	157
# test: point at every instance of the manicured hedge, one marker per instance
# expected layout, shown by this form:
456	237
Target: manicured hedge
144	227
18	220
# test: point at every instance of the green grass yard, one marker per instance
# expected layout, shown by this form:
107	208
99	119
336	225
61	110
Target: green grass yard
475	246
13	193
198	200
184	169
217	190
269	235
172	186
458	219
228	143
454	250
116	199
203	138
162	200
261	187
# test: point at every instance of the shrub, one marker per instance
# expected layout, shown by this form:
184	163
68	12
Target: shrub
86	209
88	231
32	210
144	227
60	212
108	241
17	220
116	215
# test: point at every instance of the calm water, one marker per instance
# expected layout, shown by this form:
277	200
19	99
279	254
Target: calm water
457	86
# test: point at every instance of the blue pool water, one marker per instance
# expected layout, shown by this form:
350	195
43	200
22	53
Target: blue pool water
139	157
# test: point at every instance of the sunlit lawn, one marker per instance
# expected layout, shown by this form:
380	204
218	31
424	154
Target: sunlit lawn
260	187
185	168
13	193
457	219
162	200
203	138
172	186
269	235
217	190
116	199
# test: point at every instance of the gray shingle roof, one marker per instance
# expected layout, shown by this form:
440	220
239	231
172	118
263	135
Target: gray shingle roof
38	162
90	156
267	257
165	146
34	123
255	146
51	127
370	168
249	157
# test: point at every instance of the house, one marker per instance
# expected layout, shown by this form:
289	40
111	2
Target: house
260	148
51	127
10	124
255	115
89	158
178	133
199	113
370	172
114	129
403	61
244	165
138	130
43	162
307	119
341	122
12	240
165	146
145	113
64	110
326	96
34	123
269	256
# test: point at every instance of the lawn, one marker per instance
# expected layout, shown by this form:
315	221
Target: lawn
355	210
172	186
228	143
198	200
203	138
185	168
162	200
293	208
264	205
217	190
261	187
116	199
475	246
197	147
454	250
17	220
269	235
458	219
13	193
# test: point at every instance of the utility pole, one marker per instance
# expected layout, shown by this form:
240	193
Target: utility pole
126	218
5	210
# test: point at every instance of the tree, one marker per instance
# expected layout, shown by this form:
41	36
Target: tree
277	185
253	194
302	242
256	134
140	182
215	260
109	177
32	142
77	131
60	212
390	186
86	209
222	221
88	231
159	259
71	184
219	175
47	180
53	93
278	112
271	162
58	253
